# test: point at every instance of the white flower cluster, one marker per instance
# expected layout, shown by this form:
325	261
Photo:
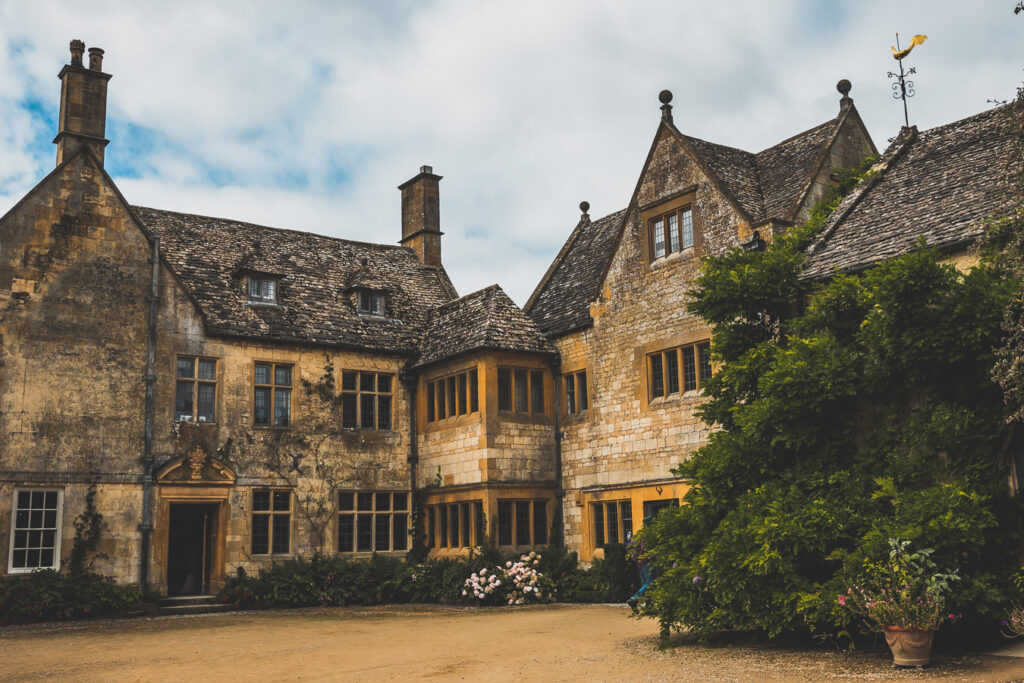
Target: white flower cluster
482	584
516	583
525	579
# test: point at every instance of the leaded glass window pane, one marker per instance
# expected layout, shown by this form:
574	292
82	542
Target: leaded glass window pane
364	533
537	392
474	392
261	374
504	389
672	371
673	233
261	406
282	525
283	375
366	409
520	389
657	378
689	369
687	215
570	394
183	401
207	369
581	383
504	522
207	393
705	362
659	238
346	533
282	407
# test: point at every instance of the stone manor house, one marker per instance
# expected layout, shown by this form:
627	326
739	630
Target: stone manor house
234	394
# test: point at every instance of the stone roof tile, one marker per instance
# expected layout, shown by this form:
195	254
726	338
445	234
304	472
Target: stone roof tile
563	302
485	319
210	257
937	184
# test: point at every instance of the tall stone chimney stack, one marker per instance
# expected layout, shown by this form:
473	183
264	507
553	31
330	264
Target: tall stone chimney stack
421	216
83	104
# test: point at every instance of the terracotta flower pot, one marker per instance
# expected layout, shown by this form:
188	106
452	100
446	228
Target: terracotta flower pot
910	647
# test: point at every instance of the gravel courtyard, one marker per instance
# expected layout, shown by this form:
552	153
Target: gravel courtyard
558	642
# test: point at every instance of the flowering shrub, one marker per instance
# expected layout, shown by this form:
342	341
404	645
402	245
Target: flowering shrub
1013	624
905	591
516	583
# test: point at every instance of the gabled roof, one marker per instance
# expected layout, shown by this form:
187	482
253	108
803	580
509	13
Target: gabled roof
209	256
771	183
561	302
484	320
768	185
937	184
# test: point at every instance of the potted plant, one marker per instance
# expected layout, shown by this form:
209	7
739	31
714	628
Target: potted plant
903	596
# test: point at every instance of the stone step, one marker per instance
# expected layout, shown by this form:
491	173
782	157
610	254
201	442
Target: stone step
179	600
195	609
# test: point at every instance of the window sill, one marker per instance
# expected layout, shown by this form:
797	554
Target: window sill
271	428
193	422
676	398
27	571
685	255
262	303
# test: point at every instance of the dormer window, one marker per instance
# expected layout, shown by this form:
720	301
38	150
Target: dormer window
262	289
371	303
671	232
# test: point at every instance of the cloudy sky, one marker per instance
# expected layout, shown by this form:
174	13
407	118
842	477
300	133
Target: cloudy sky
307	115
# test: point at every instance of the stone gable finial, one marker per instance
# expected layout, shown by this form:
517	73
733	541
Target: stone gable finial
846	101
665	97
584	208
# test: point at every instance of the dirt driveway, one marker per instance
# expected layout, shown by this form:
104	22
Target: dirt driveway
559	642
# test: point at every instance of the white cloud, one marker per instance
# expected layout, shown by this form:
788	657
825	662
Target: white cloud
526	108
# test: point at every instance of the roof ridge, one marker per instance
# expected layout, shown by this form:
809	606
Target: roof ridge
791	138
998	109
291	231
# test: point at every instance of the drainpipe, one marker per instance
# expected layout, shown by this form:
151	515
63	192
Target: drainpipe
409	379
556	366
146	525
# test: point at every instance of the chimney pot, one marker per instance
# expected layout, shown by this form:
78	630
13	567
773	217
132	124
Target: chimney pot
77	48
426	169
95	59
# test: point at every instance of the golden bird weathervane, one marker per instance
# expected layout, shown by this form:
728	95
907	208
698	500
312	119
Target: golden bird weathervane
902	88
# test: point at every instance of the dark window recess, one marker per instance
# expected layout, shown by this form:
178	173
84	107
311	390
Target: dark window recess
523	522
684	368
262	289
537	392
504	522
672	371
452	396
521	387
540	523
504	389
366	400
373	521
196	390
481	523
598	525
670	232
576	399
35	531
657	376
371	303
272	394
271	521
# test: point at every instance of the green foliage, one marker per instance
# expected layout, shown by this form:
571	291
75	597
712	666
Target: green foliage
848	415
905	590
89	528
328	581
47	595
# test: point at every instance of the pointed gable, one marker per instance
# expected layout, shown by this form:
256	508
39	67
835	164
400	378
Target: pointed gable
562	301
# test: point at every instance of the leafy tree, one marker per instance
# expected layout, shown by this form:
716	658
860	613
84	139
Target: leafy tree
859	412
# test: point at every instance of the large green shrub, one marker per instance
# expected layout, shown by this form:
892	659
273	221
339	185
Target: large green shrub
865	414
46	595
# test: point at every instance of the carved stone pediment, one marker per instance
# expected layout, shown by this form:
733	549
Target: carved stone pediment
196	467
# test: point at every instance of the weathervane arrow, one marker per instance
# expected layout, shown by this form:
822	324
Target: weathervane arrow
902	88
